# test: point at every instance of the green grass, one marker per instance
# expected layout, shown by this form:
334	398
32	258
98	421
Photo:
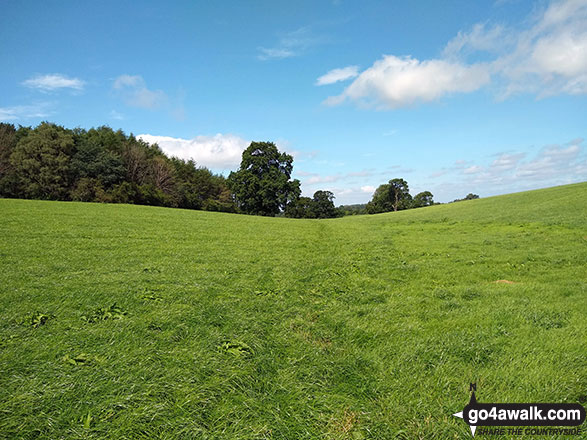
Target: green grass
161	323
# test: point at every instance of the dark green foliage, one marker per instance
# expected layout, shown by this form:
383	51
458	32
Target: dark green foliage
199	188
8	178
324	204
320	206
301	208
102	165
42	162
356	209
423	199
469	196
395	196
98	157
262	185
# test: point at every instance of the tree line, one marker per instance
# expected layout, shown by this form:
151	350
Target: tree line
102	165
51	162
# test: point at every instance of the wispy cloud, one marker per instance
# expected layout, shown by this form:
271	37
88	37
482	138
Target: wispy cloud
55	81
551	165
336	75
275	53
134	92
19	112
116	115
546	57
312	179
290	44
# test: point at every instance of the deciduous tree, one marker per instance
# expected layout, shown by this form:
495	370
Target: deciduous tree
262	185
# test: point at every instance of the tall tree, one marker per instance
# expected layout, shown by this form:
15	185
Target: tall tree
41	160
399	194
391	196
324	204
262	184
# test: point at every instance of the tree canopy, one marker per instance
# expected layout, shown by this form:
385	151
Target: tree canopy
102	165
262	185
395	196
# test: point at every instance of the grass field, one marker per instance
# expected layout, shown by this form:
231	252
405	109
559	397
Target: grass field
241	327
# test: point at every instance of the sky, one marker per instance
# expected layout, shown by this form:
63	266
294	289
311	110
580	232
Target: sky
488	97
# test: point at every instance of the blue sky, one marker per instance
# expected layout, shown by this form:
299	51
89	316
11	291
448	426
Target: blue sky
453	96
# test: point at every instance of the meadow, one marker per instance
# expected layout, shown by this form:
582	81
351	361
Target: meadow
135	322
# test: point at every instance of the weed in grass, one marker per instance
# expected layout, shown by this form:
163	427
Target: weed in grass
88	421
38	319
81	359
547	319
235	348
151	270
154	327
266	292
151	295
104	314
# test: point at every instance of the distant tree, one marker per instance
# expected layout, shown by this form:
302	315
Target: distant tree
8	178
399	194
423	199
380	202
303	207
391	196
262	185
324	204
136	161
469	196
356	209
199	188
162	174
7	143
98	158
41	161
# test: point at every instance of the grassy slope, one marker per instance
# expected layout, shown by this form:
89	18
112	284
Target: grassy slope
361	327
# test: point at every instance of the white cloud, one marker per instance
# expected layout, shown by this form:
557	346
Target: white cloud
48	83
134	92
394	82
24	112
368	189
545	56
550	57
221	151
336	75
